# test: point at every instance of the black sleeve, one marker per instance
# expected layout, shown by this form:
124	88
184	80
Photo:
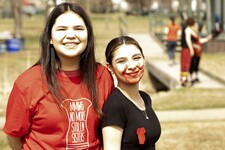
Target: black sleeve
114	111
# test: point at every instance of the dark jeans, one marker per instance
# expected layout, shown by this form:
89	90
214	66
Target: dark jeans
171	45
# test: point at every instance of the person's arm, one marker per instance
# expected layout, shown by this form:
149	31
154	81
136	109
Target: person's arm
188	34
15	142
196	46
179	31
206	39
112	137
166	30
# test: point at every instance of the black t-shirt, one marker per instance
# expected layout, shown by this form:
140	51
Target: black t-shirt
183	39
120	111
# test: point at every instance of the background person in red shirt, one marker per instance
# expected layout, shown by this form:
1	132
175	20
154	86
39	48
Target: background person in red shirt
172	30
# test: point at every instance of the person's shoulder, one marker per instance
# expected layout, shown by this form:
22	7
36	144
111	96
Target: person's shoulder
169	25
115	98
187	30
179	26
104	79
101	68
31	75
115	93
31	72
102	71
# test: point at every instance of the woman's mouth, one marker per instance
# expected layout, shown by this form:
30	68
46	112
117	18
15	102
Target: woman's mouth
70	44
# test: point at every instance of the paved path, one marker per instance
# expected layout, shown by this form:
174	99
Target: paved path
173	72
149	45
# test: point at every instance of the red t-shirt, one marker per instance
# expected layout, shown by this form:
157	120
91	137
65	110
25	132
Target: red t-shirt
173	30
197	46
33	114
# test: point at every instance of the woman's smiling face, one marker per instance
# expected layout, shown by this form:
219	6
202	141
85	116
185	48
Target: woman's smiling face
69	36
128	64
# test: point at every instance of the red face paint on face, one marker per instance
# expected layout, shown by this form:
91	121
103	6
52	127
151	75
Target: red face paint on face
128	64
133	76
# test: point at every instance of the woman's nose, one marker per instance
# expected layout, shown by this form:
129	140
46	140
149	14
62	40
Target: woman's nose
71	34
131	64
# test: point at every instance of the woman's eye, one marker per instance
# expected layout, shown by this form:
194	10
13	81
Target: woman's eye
137	58
120	61
61	29
79	29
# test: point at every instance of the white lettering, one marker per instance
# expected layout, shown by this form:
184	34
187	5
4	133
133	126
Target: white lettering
78	137
77	116
76	106
77	126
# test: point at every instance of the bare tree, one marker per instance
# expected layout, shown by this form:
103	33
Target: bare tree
86	4
107	10
49	4
140	6
17	14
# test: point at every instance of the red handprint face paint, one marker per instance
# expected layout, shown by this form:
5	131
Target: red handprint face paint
128	64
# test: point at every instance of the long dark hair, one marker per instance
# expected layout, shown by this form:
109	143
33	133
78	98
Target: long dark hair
49	59
115	43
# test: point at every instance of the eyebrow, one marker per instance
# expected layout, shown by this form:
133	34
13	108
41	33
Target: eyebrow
139	54
64	26
126	57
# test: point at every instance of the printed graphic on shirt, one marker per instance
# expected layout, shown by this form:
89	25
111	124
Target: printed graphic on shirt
141	135
77	110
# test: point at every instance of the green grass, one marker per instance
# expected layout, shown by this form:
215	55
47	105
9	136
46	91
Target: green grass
206	135
3	142
214	64
189	98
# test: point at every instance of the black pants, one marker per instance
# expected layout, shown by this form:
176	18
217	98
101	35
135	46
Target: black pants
194	64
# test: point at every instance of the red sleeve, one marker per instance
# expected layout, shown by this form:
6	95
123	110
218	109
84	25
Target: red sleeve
105	83
17	114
